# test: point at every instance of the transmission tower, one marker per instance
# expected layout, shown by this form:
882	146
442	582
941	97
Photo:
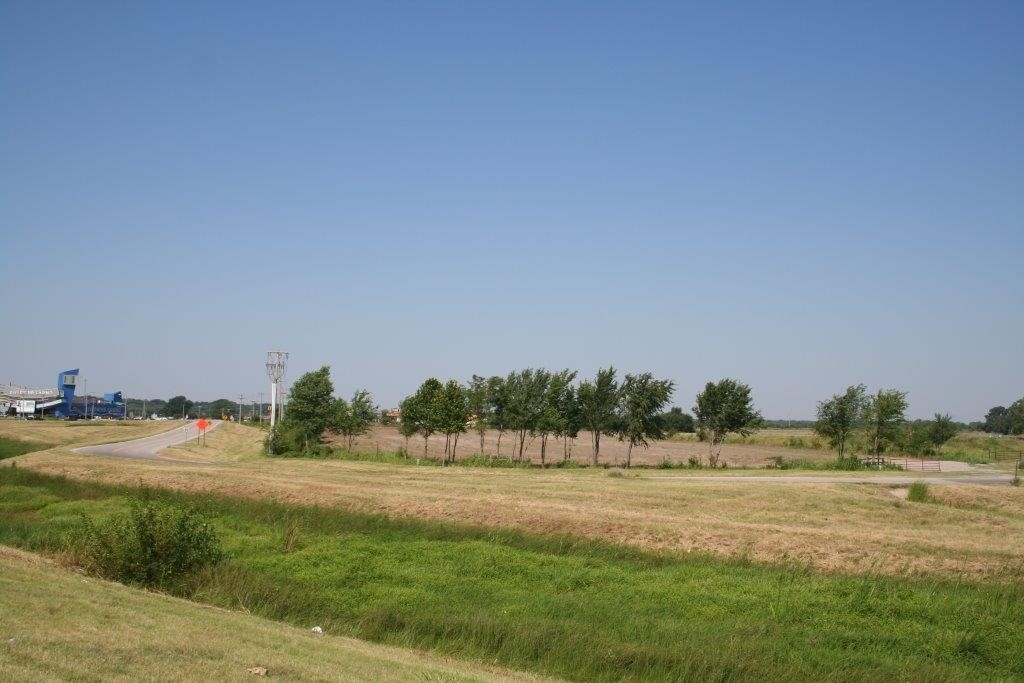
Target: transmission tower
277	365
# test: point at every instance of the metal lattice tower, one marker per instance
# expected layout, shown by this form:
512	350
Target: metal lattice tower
277	365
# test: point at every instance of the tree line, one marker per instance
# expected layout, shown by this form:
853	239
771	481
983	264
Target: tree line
876	423
1003	420
552	406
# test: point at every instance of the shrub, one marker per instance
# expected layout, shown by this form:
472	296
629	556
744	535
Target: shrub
918	493
153	544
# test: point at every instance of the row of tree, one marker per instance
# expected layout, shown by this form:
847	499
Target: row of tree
543	404
877	422
1003	420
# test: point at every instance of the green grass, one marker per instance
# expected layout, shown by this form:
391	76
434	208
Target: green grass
10	447
919	493
557	604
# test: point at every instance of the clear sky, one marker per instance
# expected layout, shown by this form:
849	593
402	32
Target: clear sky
802	196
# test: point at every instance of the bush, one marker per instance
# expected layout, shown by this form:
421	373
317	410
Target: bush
918	493
153	544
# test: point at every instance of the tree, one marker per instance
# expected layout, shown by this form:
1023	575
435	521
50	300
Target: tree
642	399
177	406
598	401
421	410
222	408
568	419
997	420
840	417
407	422
353	418
941	430
311	407
552	419
524	402
723	407
452	414
675	421
883	415
478	400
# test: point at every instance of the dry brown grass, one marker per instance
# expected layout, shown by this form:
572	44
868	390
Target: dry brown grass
973	531
81	432
59	625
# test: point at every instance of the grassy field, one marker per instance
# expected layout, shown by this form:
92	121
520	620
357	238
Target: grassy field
61	625
971	531
559	605
584	574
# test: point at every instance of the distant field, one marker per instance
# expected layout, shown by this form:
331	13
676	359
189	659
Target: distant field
61	625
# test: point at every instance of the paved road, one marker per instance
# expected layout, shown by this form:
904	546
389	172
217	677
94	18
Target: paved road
149	447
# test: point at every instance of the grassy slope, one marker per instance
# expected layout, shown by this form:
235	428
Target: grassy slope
562	606
58	624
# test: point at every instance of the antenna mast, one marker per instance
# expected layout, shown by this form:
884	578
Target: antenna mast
277	365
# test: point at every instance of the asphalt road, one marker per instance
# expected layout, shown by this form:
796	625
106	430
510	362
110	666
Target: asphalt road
149	447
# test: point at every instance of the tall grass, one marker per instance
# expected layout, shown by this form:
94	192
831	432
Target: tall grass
557	604
11	447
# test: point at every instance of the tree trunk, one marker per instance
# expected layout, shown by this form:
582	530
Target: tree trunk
629	455
455	444
522	443
565	449
543	447
500	433
596	436
481	443
425	437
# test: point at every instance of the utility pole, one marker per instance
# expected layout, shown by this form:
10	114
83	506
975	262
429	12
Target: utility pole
240	399
277	364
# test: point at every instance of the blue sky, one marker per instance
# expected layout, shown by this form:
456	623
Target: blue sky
802	196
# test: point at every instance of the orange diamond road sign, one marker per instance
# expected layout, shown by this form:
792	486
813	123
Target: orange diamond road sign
202	423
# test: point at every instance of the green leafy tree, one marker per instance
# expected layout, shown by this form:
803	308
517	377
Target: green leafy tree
353	418
642	400
407	422
941	430
497	396
723	407
568	407
525	392
598	402
311	408
676	421
177	406
1015	417
421	410
552	419
478	400
222	408
452	414
841	416
884	413
997	420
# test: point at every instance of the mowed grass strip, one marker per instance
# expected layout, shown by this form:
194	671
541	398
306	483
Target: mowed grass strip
560	605
60	625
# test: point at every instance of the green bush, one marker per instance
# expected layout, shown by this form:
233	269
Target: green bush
153	544
918	493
